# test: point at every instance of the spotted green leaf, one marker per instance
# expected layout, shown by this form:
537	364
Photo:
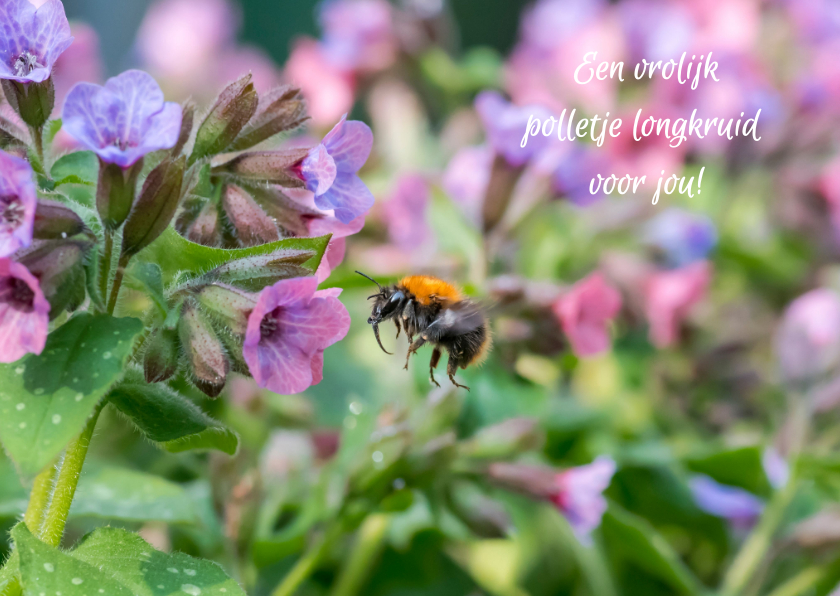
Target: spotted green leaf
46	399
145	571
175	254
128	495
116	562
170	419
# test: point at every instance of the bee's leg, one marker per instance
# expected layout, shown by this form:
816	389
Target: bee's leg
408	317
433	364
397	323
413	348
451	367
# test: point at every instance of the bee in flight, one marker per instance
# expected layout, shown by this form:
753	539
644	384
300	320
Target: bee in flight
440	314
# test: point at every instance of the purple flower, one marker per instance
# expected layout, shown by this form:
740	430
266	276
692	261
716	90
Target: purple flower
329	170
808	339
682	237
775	468
736	505
124	120
24	312
31	39
358	34
288	330
579	495
549	22
574	172
17	204
506	124
466	179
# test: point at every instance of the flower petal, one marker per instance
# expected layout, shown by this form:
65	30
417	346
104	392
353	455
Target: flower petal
349	143
348	197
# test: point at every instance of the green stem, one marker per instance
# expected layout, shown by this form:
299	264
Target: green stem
366	550
115	289
755	547
105	264
65	485
39	499
800	583
308	563
38	140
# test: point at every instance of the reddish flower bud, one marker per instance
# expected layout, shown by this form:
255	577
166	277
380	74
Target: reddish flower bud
274	167
155	206
59	267
206	355
206	227
187	121
251	224
55	220
115	192
160	360
282	109
232	111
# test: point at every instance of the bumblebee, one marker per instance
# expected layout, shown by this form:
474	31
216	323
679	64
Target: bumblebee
440	314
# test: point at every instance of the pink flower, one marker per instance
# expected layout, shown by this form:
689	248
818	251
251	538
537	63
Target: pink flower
669	296
17	204
579	495
466	179
405	213
79	63
333	257
808	338
358	34
288	330
584	312
24	312
329	91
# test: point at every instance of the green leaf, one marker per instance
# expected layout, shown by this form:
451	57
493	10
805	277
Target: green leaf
80	164
118	563
147	278
170	419
736	467
72	179
147	572
175	254
128	495
45	400
51	129
46	570
638	542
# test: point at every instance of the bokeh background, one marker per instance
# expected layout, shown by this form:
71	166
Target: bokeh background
695	342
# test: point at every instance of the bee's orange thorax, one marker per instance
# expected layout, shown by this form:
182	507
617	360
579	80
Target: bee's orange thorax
426	289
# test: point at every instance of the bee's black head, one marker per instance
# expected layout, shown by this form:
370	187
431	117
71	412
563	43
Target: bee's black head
387	302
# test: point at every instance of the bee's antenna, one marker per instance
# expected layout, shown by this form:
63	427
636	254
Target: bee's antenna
371	279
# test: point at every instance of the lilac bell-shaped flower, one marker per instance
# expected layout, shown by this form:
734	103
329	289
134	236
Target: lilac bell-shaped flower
31	39
330	170
123	120
18	200
24	312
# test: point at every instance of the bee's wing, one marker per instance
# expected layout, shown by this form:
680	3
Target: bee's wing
459	318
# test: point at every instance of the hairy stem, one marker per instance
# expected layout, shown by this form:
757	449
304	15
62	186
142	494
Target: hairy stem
105	264
38	139
115	289
308	563
39	499
365	551
65	485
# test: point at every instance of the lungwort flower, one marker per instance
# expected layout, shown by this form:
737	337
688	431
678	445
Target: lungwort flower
287	332
124	120
17	204
585	311
739	507
330	170
31	39
24	312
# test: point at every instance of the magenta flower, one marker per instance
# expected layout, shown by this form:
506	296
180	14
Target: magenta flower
808	338
31	39
24	312
288	330
580	496
670	295
505	125
737	506
124	120
329	170
18	199
405	213
333	257
585	311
